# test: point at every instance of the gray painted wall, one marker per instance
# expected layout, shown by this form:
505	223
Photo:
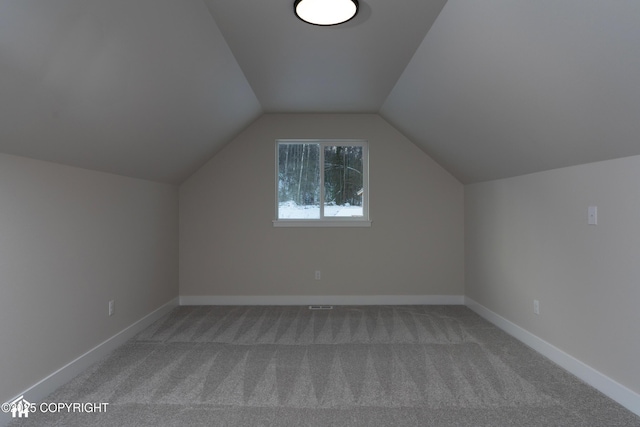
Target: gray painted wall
228	245
71	240
527	238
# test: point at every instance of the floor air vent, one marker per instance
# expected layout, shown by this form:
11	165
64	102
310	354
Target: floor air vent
320	307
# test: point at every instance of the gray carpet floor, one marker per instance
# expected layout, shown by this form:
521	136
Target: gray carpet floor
350	366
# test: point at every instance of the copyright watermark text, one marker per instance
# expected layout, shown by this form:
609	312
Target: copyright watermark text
21	408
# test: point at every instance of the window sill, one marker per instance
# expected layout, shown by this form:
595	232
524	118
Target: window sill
321	223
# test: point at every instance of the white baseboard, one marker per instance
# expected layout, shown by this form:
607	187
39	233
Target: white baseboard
48	385
616	391
322	300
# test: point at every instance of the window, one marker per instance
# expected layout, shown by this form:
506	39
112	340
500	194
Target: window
322	183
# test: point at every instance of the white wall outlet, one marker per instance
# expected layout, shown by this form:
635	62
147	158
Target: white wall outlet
592	215
112	307
536	306
317	276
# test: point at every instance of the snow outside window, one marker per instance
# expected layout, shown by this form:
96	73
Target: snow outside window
322	183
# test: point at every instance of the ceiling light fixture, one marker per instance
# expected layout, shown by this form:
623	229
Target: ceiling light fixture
325	12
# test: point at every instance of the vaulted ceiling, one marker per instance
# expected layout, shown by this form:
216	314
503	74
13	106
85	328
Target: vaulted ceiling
153	88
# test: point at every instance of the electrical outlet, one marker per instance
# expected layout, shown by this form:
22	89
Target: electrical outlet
112	307
592	215
317	275
536	306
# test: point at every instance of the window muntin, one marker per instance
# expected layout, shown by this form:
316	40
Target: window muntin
322	181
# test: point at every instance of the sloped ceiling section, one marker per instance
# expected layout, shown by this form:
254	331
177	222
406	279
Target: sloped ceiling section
296	67
501	88
144	88
153	88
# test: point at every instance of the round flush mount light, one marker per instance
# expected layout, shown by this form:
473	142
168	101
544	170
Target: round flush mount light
325	12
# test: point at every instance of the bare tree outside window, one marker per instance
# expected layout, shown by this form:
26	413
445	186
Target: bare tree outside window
321	179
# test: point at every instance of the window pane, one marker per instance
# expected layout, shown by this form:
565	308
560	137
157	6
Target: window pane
343	181
298	181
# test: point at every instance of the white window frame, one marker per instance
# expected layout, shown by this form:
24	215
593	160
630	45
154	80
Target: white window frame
363	221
